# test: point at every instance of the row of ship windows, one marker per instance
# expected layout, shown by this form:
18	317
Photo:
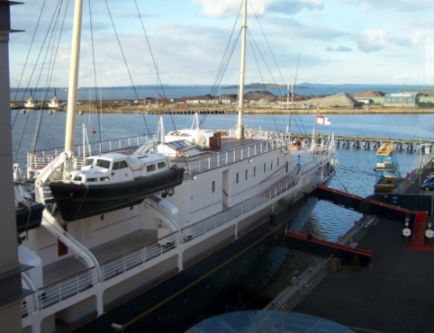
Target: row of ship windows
246	173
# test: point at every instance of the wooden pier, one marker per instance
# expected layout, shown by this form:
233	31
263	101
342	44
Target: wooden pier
368	143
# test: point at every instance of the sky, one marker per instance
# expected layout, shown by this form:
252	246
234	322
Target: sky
337	42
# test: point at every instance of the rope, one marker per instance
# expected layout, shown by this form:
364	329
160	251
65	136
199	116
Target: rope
125	60
53	57
95	76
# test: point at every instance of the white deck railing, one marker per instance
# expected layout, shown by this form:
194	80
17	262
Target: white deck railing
122	264
57	292
271	140
66	288
36	161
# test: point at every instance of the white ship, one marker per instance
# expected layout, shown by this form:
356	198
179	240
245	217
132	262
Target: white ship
240	187
30	103
54	103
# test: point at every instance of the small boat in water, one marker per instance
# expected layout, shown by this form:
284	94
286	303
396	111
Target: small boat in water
30	103
386	169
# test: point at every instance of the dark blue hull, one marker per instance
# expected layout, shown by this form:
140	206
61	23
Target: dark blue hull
77	201
224	281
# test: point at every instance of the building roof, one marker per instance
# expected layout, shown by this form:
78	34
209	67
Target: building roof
372	93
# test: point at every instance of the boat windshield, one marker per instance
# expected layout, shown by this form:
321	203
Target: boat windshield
103	164
88	161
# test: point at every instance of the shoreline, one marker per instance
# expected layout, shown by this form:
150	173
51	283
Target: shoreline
174	109
126	107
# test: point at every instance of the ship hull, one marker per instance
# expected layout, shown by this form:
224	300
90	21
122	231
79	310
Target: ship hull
77	201
214	285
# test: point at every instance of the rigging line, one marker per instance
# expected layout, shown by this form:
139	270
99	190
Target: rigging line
51	47
256	60
268	69
266	41
27	60
98	101
265	63
125	60
30	49
293	89
154	62
225	53
230	54
41	50
157	72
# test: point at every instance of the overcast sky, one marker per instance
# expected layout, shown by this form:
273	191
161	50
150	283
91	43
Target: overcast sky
339	41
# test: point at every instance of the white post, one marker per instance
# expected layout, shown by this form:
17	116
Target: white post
73	78
84	141
240	126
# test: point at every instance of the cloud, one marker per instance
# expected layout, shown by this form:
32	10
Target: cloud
339	49
397	5
213	8
377	39
372	40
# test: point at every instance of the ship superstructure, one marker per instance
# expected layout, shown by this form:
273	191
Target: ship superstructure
232	181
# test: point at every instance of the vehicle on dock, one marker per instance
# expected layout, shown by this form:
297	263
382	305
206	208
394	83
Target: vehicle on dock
428	184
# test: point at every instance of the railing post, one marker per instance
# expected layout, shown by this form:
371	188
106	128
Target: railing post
209	162
241	153
248	151
218	160
234	156
226	158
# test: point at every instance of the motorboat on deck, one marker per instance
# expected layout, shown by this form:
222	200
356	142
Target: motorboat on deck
112	181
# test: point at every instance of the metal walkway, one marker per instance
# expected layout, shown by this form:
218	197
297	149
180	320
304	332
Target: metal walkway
414	223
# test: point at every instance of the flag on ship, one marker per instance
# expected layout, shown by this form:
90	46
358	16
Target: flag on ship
321	120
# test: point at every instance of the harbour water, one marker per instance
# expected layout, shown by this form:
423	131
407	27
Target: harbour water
174	91
354	174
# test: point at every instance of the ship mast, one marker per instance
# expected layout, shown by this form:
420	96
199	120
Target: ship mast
240	126
73	79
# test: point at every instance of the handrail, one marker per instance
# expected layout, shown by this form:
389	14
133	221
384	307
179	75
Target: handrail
79	282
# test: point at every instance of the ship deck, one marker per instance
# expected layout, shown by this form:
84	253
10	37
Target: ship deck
124	245
69	266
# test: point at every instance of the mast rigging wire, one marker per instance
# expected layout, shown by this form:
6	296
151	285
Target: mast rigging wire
125	60
98	98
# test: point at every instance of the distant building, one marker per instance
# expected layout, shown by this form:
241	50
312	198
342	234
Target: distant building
369	97
402	99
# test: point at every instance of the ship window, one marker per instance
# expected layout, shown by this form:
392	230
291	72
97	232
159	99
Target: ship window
77	178
254	171
104	179
246	173
278	161
161	165
88	161
91	180
265	167
103	164
120	165
271	165
150	167
237	178
287	167
213	186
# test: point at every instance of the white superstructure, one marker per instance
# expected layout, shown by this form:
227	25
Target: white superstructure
233	179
